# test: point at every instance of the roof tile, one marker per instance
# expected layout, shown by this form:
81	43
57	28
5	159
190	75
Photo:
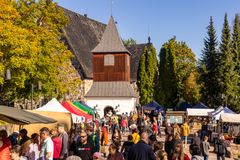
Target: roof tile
110	41
111	89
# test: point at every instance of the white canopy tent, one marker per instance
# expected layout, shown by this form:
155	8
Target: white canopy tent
216	111
216	115
53	106
198	112
230	118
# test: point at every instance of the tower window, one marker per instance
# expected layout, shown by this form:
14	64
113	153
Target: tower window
127	60
108	60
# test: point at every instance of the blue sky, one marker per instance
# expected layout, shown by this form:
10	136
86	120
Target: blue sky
161	19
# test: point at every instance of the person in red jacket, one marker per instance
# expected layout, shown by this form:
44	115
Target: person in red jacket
124	125
155	127
57	144
5	145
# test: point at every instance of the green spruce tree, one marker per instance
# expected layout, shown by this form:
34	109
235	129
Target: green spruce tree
208	68
147	74
236	60
152	64
226	67
236	43
142	78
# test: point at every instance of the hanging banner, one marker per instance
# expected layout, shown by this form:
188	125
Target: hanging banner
77	119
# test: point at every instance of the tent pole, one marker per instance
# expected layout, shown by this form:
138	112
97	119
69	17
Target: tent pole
19	127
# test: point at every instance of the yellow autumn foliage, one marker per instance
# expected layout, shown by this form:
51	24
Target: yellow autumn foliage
30	46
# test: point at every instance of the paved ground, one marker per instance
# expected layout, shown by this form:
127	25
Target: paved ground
212	155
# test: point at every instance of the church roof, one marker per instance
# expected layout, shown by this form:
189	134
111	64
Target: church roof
136	51
82	35
111	89
110	41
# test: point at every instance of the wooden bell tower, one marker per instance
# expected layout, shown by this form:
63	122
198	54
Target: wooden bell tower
111	60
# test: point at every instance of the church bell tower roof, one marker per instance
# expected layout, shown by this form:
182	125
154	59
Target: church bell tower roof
110	41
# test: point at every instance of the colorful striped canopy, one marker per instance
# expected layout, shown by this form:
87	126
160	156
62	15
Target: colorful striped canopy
75	110
82	107
83	103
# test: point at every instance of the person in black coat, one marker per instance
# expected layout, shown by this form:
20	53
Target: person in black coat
169	145
142	151
195	146
221	147
83	147
126	147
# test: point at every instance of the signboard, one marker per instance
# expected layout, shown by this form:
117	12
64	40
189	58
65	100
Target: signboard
177	119
77	119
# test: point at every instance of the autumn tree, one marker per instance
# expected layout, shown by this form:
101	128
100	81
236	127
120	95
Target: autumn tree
191	92
7	14
187	73
178	74
33	51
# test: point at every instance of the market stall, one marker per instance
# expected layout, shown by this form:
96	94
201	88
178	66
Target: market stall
216	115
84	108
198	117
200	106
230	118
14	119
198	112
216	110
230	124
153	106
22	117
77	111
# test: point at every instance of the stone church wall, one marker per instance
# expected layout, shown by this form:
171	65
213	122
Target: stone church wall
86	85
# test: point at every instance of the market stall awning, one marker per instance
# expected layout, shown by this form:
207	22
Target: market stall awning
182	106
75	110
216	111
153	105
53	106
198	112
200	106
85	104
230	118
216	115
19	116
82	107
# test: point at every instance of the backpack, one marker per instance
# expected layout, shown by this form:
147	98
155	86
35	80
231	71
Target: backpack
221	149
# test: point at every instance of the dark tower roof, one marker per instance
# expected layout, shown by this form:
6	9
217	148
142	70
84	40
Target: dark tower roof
110	41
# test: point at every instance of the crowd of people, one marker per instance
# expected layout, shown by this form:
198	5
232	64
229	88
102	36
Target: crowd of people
93	141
